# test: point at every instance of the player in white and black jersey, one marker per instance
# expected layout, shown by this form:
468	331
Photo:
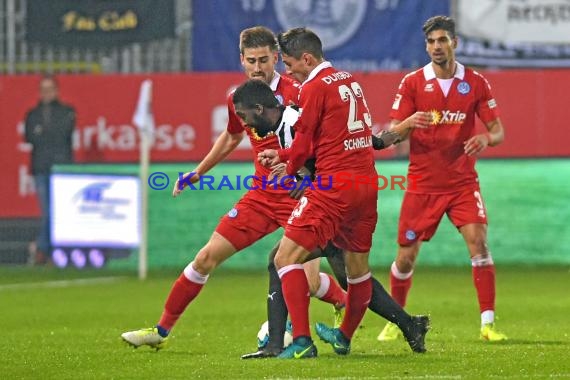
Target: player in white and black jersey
256	105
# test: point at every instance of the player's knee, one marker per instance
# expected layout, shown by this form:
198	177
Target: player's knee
282	260
279	261
205	262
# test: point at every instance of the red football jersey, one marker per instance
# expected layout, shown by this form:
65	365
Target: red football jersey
286	90
335	116
437	156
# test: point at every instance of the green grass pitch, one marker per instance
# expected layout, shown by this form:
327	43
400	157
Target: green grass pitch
55	328
61	330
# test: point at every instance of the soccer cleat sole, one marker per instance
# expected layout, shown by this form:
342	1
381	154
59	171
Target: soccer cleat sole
261	354
132	345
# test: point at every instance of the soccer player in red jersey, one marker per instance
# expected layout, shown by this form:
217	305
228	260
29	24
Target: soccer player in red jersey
262	210
438	104
259	109
335	120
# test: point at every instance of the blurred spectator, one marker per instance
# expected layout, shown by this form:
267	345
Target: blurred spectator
49	128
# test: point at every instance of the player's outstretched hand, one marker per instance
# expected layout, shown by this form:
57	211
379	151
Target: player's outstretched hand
476	144
268	157
178	187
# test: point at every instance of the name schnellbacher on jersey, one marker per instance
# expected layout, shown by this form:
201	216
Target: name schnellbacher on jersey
358	143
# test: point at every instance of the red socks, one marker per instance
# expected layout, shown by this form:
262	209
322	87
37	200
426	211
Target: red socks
296	293
400	284
182	293
484	280
358	298
334	294
483	277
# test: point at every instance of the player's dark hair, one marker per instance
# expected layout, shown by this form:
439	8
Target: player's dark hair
253	92
439	23
255	37
297	41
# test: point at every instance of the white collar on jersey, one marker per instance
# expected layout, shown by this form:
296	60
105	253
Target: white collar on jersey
275	81
323	65
429	72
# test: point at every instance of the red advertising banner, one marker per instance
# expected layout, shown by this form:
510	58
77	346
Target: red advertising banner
190	112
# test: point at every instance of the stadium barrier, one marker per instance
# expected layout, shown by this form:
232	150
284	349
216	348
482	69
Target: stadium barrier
513	191
190	112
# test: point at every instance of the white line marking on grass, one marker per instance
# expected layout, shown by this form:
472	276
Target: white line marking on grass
61	283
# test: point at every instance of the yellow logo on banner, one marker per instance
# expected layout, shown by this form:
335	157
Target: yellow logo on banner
107	21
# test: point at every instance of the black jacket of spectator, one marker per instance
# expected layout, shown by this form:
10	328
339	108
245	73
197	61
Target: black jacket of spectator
49	128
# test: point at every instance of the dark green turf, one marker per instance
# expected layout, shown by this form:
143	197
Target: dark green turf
72	332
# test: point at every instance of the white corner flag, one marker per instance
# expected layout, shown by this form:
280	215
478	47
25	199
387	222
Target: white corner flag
142	118
144	121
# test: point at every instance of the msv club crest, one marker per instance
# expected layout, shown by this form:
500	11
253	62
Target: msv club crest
463	88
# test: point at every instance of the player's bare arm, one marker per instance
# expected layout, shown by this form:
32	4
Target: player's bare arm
496	132
224	145
494	136
417	120
385	139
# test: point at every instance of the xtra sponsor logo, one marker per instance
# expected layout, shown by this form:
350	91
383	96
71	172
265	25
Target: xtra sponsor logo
447	117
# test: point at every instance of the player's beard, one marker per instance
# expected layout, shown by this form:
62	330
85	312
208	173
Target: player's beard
441	60
260	76
262	126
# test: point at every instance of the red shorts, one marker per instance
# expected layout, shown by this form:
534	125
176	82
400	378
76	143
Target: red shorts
421	213
346	216
257	214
